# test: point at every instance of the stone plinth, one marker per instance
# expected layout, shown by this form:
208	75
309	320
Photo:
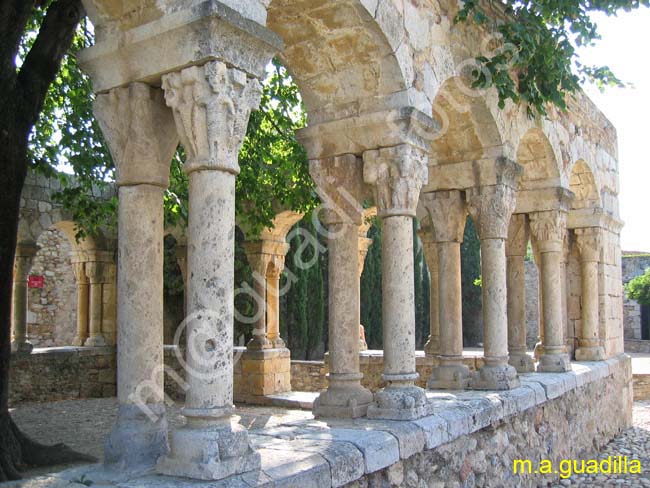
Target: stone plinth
263	372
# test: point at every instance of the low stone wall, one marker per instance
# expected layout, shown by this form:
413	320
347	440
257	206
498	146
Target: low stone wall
641	387
311	375
468	438
62	373
632	345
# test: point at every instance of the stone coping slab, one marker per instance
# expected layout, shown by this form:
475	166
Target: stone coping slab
334	452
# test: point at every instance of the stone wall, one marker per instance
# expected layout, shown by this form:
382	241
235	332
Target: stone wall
51	319
62	373
641	387
632	265
573	425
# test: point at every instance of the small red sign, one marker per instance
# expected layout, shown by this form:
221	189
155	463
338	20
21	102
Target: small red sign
35	281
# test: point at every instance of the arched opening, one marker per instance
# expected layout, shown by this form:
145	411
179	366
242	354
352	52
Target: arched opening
338	55
535	154
468	130
583	185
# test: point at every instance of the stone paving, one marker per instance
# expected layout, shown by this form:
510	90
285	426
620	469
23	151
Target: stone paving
84	424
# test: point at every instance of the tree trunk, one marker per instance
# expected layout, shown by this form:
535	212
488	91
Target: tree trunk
21	102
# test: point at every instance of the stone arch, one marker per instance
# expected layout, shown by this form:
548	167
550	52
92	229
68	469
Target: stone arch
340	56
584	186
536	155
468	129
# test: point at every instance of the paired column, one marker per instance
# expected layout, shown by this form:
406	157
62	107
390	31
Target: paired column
589	243
364	245
430	248
211	106
79	269
22	264
516	247
448	212
140	133
340	185
491	208
94	272
397	175
547	229
266	363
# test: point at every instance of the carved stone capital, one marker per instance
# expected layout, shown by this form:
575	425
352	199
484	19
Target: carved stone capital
548	229
590	243
397	175
518	236
491	208
265	256
79	271
140	132
340	186
211	106
448	213
94	272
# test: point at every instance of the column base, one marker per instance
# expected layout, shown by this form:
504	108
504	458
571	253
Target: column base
432	347
138	438
523	363
209	450
264	372
343	401
95	341
79	341
554	363
590	353
449	377
259	343
495	377
407	402
22	347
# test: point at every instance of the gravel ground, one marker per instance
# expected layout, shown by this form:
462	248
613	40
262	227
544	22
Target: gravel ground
633	443
84	424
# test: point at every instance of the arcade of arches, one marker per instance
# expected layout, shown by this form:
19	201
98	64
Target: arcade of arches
391	122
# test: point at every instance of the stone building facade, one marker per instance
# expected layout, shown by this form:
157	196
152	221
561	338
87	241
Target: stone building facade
393	122
76	301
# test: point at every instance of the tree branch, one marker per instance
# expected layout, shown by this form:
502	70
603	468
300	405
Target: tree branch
14	15
44	59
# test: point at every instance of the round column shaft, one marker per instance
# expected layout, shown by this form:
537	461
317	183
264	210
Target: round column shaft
20	342
344	397
82	304
554	358
516	285
451	373
140	435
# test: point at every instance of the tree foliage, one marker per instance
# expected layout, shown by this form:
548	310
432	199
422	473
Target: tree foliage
536	60
638	288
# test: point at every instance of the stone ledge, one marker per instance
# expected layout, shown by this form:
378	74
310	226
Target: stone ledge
315	453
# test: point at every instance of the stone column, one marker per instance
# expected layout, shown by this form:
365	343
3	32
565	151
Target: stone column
364	246
94	274
211	106
516	248
22	264
397	175
79	270
259	263
337	178
589	243
430	248
539	345
273	274
448	212
491	208
141	136
547	229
